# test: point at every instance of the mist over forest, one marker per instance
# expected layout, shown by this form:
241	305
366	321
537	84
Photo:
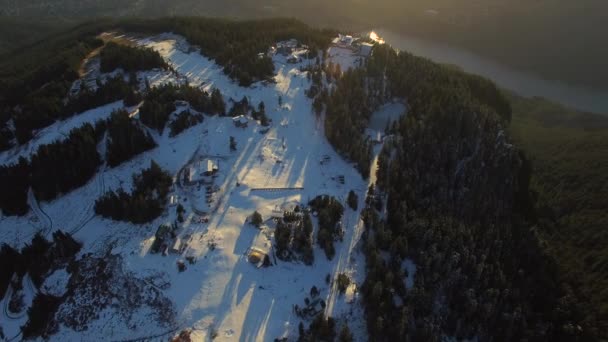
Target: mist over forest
555	39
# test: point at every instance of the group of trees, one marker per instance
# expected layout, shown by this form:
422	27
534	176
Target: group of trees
458	206
64	165
15	182
256	219
348	109
260	114
570	184
37	259
356	93
34	82
144	204
321	329
352	200
6	134
184	120
329	213
129	58
125	138
324	329
47	107
235	45
243	107
34	89
54	169
41	317
160	103
112	89
239	108
293	237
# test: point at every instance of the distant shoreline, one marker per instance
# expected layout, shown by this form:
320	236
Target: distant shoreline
525	84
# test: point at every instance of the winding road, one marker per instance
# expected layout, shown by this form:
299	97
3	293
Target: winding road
41	214
100	181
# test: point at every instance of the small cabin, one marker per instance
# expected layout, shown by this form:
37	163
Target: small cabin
211	167
293	59
257	257
240	121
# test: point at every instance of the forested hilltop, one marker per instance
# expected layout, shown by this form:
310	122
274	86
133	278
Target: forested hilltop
568	151
453	195
505	228
555	34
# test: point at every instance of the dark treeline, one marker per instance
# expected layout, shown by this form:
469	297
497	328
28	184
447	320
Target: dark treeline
27	119
36	259
62	166
65	165
126	139
183	121
111	90
6	134
241	107
14	182
570	183
54	169
35	82
358	92
144	204
129	58
41	322
458	205
235	45
348	111
293	237
321	329
160	103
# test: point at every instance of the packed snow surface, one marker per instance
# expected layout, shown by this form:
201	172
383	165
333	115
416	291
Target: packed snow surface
387	114
220	292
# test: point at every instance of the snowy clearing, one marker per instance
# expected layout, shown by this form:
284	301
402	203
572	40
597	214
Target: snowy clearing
219	292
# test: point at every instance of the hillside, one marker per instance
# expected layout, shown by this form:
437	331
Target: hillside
568	150
211	178
520	34
19	32
183	255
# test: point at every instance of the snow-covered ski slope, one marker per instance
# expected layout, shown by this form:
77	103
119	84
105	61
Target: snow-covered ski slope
221	293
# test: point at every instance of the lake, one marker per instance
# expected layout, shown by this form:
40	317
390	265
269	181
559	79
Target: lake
525	84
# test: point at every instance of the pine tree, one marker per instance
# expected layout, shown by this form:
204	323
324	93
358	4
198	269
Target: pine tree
345	334
232	144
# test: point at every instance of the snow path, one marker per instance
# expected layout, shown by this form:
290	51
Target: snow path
12	323
352	237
